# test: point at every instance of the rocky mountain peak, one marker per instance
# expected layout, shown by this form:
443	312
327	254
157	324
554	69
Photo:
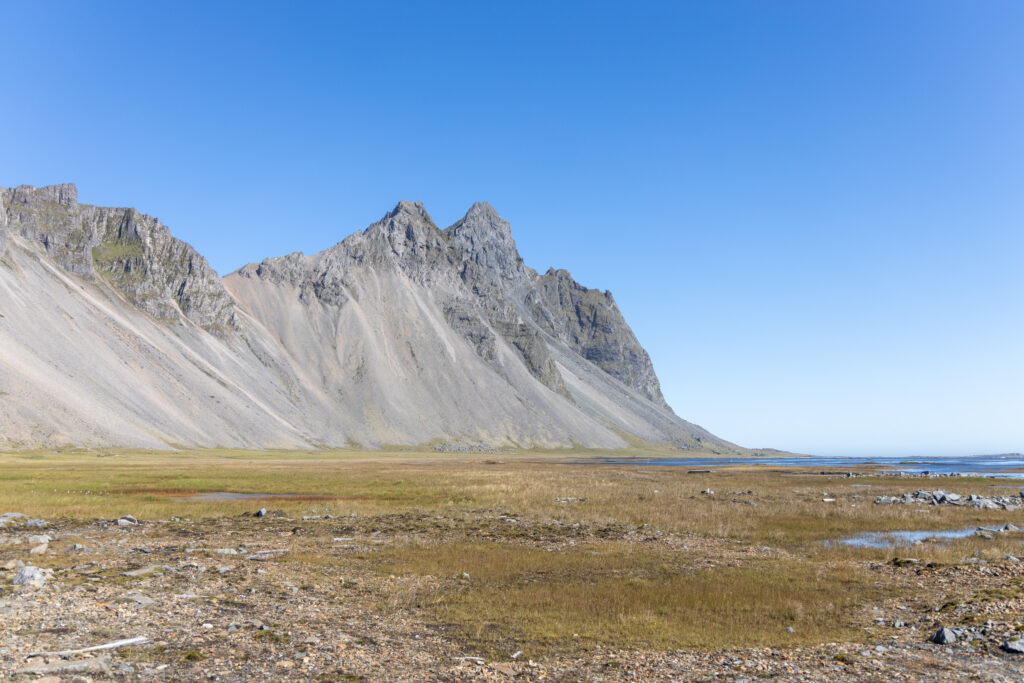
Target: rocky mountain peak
408	220
485	239
483	215
406	211
406	226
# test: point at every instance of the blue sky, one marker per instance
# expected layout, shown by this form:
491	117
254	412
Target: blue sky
811	213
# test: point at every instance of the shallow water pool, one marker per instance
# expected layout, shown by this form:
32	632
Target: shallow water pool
892	539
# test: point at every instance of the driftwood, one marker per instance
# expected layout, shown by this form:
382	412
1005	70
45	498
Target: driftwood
141	640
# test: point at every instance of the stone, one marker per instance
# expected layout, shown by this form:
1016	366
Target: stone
944	636
1015	646
140	599
30	576
151	569
36	523
905	561
94	665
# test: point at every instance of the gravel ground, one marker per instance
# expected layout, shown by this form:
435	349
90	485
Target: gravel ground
215	600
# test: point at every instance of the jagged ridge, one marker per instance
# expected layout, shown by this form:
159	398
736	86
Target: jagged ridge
400	333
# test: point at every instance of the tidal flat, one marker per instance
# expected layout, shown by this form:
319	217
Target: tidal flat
416	565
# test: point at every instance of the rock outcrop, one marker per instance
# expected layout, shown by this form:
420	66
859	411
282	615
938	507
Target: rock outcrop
115	332
136	253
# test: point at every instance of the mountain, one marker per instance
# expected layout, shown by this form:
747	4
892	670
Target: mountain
113	332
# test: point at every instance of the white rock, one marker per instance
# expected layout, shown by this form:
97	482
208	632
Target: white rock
28	575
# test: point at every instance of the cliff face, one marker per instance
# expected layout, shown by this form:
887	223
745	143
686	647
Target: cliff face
136	253
589	322
402	333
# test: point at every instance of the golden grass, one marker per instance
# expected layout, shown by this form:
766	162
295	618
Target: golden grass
631	596
779	510
707	609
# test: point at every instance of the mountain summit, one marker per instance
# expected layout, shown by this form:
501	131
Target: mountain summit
113	332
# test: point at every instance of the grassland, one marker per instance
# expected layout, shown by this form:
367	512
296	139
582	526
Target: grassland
537	552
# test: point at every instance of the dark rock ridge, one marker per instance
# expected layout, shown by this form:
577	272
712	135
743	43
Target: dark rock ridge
114	332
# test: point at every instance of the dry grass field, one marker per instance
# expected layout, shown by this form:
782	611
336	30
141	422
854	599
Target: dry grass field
528	552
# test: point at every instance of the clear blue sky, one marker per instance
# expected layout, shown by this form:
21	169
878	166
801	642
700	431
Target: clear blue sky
811	213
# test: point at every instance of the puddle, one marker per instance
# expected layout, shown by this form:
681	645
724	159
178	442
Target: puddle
891	539
228	495
860	485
